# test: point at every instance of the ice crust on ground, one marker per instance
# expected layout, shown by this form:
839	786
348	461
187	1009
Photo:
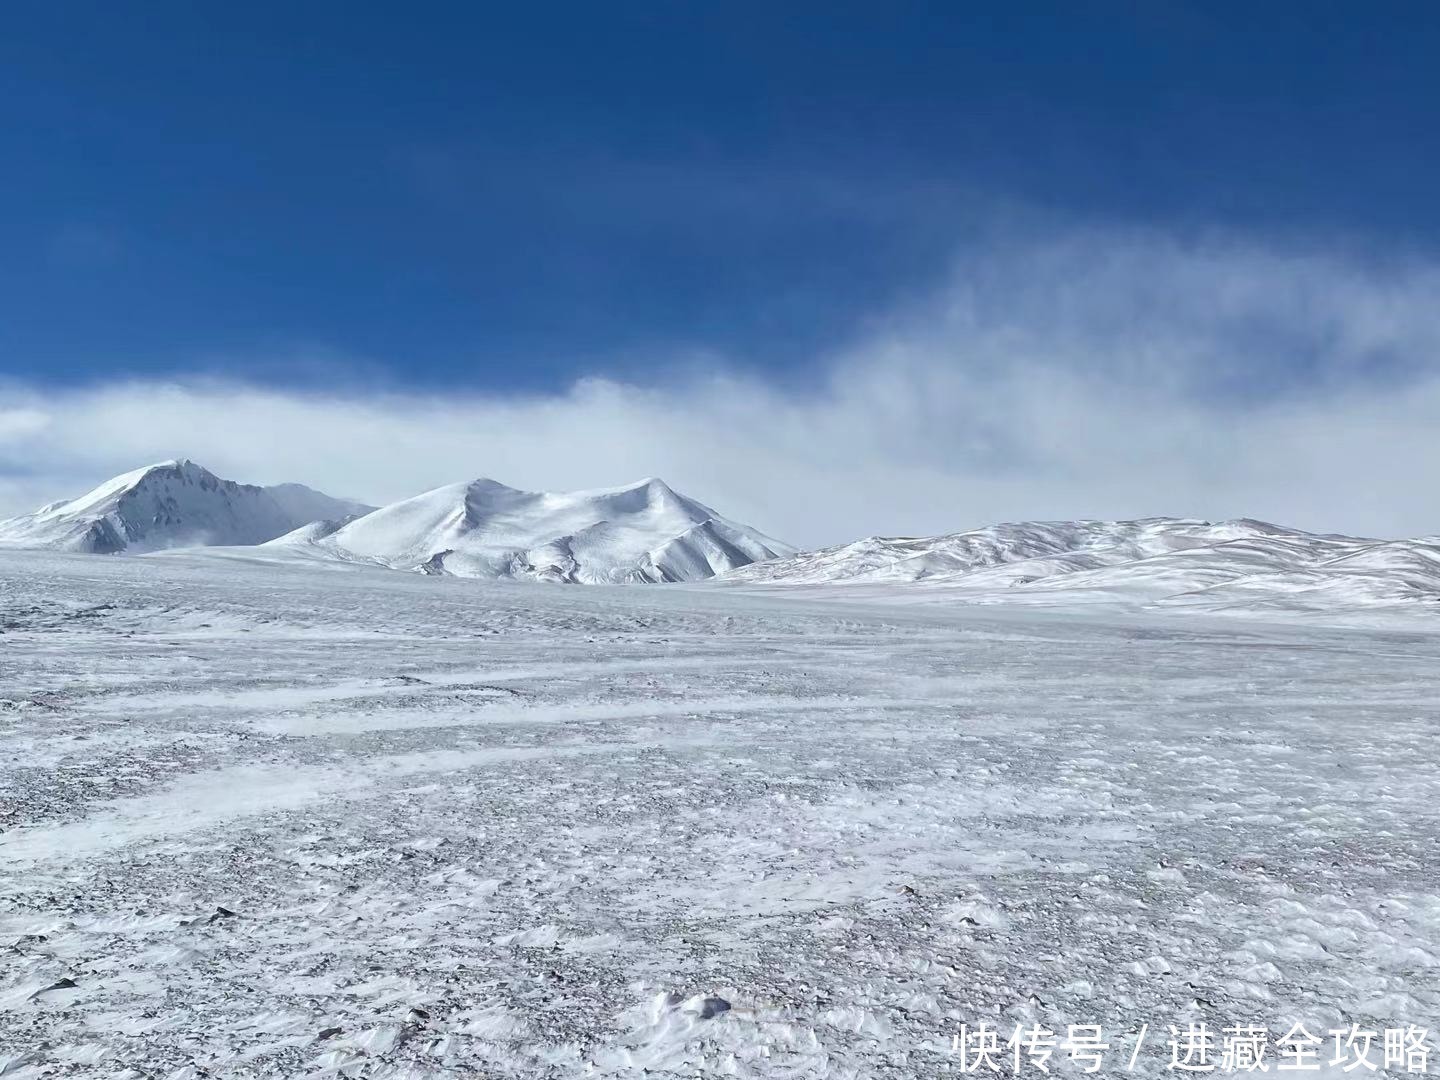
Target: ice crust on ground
260	821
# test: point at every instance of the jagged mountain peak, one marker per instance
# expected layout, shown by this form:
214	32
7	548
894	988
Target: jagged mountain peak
168	504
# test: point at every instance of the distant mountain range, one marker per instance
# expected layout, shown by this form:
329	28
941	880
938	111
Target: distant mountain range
1157	562
647	532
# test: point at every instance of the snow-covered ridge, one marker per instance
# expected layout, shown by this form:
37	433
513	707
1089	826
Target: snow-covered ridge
642	532
648	532
1154	561
172	504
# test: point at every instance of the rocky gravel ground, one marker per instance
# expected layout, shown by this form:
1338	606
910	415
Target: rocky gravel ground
270	822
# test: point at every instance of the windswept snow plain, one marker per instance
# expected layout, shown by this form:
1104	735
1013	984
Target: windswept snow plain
264	821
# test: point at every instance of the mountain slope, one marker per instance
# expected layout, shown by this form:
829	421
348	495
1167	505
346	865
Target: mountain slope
1242	564
642	532
172	504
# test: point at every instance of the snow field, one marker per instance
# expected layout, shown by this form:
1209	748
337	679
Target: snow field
274	823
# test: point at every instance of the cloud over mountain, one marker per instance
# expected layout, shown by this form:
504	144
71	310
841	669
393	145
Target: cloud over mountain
1091	374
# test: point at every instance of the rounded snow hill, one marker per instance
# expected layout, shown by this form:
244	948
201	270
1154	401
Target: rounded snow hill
481	528
1227	565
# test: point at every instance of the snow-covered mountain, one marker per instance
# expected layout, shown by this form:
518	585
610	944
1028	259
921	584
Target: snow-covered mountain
172	504
647	532
1155	561
644	532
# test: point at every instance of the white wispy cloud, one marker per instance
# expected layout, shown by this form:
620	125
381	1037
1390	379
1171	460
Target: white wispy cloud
1097	373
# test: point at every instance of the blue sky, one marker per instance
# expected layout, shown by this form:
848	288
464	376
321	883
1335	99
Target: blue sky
838	268
511	195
